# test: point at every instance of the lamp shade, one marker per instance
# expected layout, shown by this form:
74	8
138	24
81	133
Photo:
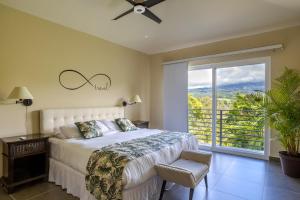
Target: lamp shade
136	99
20	93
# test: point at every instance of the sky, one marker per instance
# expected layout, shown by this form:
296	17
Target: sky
227	76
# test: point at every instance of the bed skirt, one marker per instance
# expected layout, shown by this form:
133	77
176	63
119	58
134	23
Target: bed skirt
74	183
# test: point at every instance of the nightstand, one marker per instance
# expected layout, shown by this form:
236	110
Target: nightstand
25	159
141	124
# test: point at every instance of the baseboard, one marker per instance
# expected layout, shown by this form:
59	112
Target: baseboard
272	158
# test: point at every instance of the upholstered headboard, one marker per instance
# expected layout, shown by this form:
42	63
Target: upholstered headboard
52	119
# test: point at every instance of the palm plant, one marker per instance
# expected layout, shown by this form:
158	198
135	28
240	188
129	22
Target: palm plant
282	106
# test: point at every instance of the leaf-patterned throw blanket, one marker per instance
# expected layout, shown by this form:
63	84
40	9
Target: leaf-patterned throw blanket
105	166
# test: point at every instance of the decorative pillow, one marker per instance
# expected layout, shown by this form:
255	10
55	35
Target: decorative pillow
70	131
126	124
112	125
89	129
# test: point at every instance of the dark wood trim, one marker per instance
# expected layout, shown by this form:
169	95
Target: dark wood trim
28	180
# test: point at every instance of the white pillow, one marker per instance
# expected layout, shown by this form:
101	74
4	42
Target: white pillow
70	131
102	126
112	125
59	135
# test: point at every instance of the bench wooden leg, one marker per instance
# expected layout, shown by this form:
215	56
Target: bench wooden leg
205	179
191	193
162	190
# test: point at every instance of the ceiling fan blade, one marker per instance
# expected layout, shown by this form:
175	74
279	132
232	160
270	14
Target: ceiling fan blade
150	3
152	16
123	14
131	2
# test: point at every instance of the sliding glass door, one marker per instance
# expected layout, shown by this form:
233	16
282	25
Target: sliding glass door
225	106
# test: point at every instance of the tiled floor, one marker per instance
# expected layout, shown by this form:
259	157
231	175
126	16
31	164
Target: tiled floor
230	178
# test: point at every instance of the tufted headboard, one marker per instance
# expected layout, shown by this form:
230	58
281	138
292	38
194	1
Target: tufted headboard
52	119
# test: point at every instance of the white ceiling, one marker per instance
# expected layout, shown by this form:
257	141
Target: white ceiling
185	22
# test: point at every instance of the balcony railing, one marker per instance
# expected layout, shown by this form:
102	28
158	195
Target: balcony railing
234	128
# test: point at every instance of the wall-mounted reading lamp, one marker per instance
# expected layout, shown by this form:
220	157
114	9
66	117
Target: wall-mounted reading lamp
134	100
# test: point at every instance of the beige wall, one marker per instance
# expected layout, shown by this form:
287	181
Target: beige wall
289	57
33	52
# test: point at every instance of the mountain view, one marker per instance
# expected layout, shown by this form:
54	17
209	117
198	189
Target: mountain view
229	90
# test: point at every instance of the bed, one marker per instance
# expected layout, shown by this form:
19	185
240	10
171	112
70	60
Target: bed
69	157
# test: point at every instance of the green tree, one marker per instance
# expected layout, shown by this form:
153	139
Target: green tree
242	120
243	125
197	117
195	106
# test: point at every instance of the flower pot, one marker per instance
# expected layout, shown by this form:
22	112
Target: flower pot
290	164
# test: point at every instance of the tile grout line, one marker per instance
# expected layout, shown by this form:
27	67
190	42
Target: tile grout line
12	197
42	193
228	193
265	181
34	196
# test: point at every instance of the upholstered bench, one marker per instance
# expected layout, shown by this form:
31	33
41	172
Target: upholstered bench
189	170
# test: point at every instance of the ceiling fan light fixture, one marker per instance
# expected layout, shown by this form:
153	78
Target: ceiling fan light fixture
142	7
139	9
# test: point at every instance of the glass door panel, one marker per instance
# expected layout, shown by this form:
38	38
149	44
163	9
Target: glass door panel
200	104
239	115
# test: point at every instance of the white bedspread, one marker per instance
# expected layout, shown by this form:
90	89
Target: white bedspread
76	152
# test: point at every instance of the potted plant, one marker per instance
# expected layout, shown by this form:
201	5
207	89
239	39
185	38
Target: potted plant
282	105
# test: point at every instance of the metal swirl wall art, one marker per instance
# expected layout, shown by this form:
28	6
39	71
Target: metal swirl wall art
97	81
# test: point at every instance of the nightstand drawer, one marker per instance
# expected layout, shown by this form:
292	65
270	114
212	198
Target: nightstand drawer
27	148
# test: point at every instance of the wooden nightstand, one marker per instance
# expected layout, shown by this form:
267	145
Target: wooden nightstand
141	124
24	160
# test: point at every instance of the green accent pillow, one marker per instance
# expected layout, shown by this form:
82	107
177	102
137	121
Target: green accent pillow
89	129
126	124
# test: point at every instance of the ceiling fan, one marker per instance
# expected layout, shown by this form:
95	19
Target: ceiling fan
142	7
